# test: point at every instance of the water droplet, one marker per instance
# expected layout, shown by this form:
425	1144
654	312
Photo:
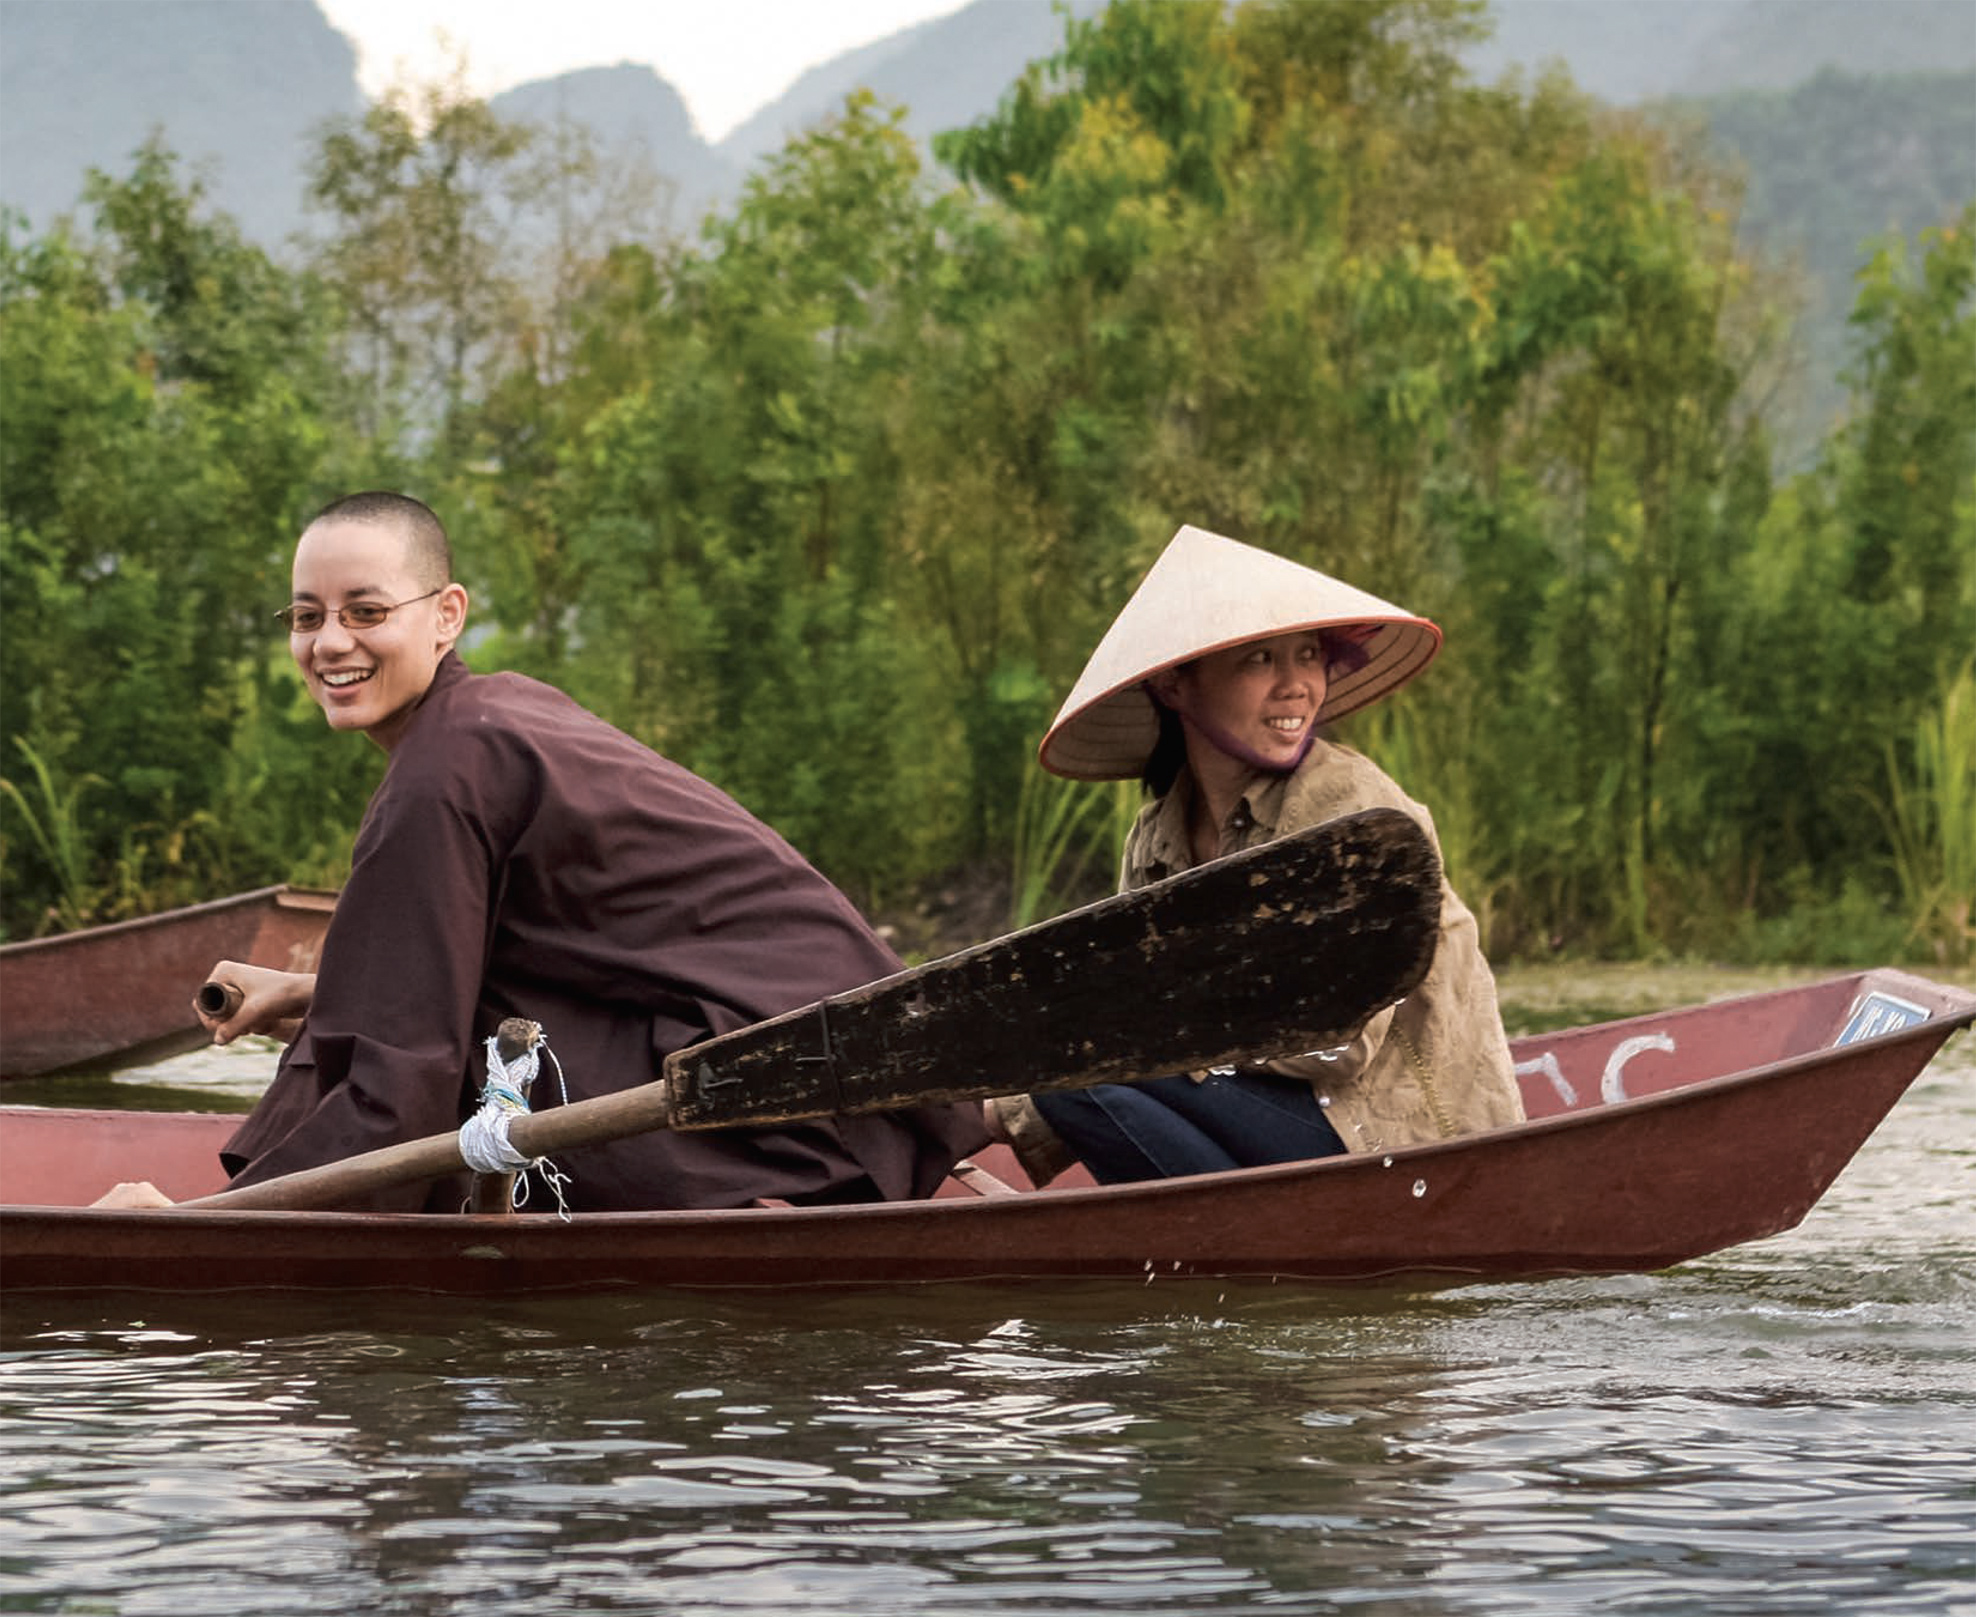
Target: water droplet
1420	1187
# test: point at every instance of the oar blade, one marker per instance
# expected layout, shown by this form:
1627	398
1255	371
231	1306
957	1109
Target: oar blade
1283	949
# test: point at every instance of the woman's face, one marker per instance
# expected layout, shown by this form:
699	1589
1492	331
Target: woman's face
1263	695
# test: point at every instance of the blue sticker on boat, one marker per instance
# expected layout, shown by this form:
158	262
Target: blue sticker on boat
1879	1013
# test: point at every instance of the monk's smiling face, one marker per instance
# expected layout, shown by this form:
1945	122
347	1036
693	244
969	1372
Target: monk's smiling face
370	677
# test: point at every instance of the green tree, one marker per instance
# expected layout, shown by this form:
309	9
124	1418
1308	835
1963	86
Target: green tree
423	192
712	505
165	397
1862	583
1909	483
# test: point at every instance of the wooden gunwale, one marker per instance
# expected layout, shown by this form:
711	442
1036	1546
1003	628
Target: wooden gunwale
136	979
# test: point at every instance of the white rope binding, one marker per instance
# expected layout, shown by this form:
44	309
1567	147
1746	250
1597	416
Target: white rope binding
484	1144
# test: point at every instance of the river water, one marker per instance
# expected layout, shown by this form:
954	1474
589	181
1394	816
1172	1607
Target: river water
1786	1428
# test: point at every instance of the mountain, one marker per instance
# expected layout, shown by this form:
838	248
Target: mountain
1626	51
238	90
1831	163
641	128
820	91
239	86
947	72
1773	44
1618	50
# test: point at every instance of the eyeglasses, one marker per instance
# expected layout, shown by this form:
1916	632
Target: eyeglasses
304	617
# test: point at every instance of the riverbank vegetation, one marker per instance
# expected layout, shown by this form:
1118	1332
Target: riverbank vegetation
830	503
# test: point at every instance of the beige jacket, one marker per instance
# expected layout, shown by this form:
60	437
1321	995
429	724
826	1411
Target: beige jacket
1432	1067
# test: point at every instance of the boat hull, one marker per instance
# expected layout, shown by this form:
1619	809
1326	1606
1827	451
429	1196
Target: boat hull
1676	1166
121	995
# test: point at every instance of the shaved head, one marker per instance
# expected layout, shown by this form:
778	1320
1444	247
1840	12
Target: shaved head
428	553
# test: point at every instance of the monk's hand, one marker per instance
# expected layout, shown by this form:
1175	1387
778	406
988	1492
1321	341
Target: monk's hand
237	998
133	1193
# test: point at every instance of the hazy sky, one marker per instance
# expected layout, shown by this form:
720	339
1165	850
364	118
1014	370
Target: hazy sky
728	58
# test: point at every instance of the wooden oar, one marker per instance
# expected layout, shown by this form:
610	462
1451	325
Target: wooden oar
1283	949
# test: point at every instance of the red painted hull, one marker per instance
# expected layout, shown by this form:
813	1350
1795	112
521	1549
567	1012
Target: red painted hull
137	979
1685	1132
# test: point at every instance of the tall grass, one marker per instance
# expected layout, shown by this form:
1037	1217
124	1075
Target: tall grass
1068	838
54	826
1931	822
1410	743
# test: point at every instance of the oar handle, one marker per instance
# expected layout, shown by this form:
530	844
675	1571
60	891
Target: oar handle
532	1134
217	1000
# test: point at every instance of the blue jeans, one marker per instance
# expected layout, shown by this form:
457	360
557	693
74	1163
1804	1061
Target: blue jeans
1169	1126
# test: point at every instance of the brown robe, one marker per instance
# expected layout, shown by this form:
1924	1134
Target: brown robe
523	858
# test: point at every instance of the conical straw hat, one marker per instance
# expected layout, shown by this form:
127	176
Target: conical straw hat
1203	594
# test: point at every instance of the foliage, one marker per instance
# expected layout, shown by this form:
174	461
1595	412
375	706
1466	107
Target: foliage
1069	841
53	821
419	186
164	392
1833	161
831	503
1932	821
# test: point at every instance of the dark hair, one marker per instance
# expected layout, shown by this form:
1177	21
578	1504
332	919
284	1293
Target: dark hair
1342	654
1168	754
427	548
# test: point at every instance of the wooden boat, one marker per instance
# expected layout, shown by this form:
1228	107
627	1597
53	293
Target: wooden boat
136	977
1650	1140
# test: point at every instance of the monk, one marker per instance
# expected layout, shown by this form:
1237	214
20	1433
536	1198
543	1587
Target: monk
521	857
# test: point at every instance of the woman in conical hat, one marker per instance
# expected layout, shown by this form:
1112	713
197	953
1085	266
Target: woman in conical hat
1211	687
